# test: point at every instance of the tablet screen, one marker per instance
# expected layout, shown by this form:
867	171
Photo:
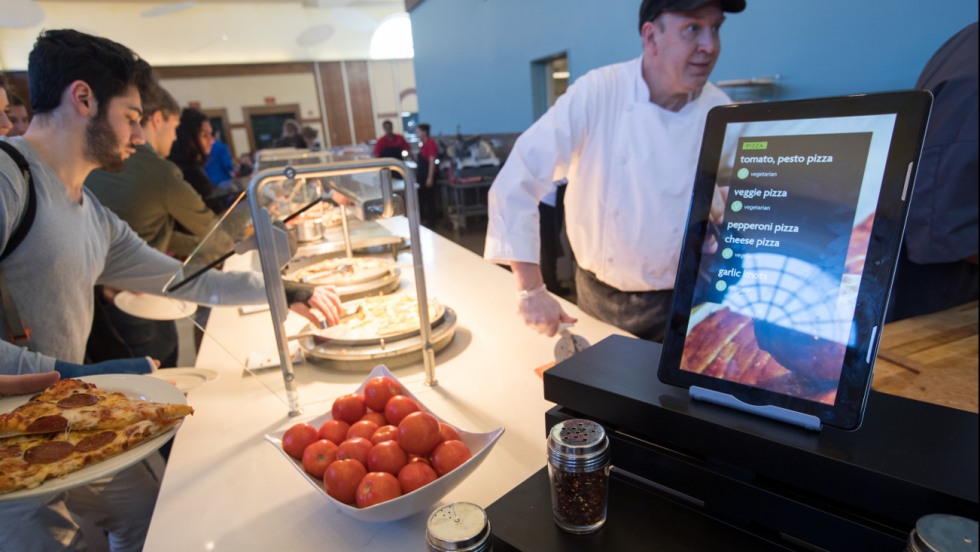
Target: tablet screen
791	205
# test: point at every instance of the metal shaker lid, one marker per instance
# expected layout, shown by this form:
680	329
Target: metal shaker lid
460	526
945	533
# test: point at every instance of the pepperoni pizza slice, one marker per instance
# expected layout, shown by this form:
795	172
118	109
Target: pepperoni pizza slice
26	461
75	405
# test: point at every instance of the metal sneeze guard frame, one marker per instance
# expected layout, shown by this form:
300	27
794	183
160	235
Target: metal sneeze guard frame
270	271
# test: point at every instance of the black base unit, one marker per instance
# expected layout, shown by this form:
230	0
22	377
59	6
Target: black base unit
786	486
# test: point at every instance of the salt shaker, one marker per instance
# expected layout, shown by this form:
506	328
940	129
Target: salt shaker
458	527
943	533
578	464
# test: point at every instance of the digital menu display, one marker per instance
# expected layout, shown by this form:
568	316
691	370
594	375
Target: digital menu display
793	207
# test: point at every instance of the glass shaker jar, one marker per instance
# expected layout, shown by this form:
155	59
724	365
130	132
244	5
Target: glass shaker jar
460	526
578	464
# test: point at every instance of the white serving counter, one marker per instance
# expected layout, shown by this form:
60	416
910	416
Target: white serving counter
226	488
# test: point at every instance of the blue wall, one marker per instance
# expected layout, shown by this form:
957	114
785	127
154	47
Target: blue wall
473	57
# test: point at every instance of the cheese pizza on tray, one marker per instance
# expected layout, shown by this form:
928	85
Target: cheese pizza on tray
71	425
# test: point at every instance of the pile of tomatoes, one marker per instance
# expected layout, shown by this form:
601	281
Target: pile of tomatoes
378	446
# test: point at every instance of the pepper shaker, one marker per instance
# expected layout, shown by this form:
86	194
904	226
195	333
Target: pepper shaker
578	465
460	527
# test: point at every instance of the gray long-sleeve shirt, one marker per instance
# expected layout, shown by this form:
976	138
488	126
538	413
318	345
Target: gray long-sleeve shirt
71	247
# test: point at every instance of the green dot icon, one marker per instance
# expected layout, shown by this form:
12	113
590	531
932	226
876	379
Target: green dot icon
736	206
727	253
743	173
720	285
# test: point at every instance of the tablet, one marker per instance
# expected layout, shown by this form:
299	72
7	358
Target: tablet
793	236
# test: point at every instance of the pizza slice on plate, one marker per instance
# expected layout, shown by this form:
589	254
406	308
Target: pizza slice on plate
74	424
75	405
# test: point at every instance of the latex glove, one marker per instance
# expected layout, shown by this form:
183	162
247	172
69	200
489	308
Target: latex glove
541	311
142	365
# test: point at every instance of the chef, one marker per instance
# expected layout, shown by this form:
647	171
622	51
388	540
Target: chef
626	136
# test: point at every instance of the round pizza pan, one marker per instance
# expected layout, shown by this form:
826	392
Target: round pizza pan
338	337
363	358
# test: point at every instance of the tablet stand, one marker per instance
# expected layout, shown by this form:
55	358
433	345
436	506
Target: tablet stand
691	475
806	421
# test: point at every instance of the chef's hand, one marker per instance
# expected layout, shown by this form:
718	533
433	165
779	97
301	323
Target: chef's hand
27	383
539	309
324	299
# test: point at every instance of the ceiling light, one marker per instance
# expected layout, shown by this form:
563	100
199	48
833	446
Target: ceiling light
560	75
393	38
20	14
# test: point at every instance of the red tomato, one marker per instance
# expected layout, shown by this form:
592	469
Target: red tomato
385	433
376	417
342	479
448	456
348	408
415	475
448	432
377	487
297	438
378	390
356	448
398	407
412	458
418	433
387	457
363	428
334	430
318	456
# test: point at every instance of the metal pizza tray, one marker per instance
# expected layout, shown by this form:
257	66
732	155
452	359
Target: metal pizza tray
338	336
393	353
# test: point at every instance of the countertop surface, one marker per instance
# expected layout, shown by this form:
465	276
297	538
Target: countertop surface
226	488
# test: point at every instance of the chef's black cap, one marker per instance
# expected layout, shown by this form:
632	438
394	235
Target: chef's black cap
650	9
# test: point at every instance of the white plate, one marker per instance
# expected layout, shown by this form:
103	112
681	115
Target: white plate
153	307
417	500
134	387
185	379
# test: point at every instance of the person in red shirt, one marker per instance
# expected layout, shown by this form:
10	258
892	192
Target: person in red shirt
427	173
391	144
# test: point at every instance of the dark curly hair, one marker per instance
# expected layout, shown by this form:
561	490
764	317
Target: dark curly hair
187	149
61	57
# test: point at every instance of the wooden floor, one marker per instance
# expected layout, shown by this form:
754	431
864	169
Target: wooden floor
931	358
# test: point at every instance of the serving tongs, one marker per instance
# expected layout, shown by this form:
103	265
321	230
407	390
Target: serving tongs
345	268
569	343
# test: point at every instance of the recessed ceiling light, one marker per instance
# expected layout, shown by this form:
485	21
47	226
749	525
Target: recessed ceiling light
314	35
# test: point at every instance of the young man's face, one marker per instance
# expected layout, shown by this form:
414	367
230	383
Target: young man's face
166	133
683	47
206	137
19	119
114	132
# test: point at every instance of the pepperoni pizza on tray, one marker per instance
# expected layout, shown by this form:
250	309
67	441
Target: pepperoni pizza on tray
74	424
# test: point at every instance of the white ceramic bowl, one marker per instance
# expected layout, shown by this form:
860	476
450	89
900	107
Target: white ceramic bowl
415	501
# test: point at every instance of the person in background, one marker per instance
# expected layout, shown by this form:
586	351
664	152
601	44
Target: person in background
427	173
190	152
246	164
151	195
309	135
391	144
5	124
626	136
85	95
220	167
937	267
18	115
291	137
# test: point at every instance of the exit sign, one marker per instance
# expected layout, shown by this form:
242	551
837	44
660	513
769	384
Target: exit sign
270	100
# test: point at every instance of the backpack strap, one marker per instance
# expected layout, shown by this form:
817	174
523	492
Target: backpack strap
17	333
24	226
